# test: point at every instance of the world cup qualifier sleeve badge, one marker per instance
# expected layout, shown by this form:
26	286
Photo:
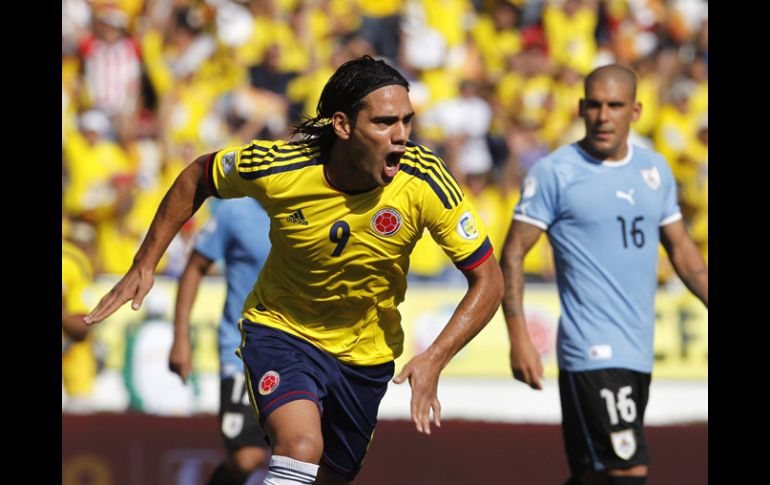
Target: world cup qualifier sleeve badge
228	162
466	227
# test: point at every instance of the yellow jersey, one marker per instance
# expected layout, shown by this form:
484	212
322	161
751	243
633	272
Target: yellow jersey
78	364
76	276
337	267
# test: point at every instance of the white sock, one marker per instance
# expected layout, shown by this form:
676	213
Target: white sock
288	471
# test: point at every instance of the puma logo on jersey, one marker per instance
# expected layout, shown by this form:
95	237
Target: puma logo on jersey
629	196
297	218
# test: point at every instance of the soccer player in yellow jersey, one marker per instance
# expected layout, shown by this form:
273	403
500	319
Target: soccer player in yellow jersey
321	327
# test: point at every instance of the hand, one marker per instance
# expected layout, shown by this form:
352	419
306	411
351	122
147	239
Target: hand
133	286
423	375
180	358
526	364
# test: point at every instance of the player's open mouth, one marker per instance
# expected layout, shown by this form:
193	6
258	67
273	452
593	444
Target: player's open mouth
392	163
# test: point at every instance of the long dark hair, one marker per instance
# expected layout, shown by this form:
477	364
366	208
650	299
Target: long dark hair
344	92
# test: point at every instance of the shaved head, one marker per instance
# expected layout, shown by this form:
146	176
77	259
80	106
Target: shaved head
612	72
608	109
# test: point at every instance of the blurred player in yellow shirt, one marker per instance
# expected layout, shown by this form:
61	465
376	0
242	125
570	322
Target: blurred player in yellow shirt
78	360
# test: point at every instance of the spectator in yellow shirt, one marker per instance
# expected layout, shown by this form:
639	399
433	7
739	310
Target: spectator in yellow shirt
78	360
91	162
498	37
569	28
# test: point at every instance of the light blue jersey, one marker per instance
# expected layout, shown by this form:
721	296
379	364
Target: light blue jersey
603	221
237	234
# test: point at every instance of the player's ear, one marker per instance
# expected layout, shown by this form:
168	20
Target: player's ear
341	125
581	107
637	111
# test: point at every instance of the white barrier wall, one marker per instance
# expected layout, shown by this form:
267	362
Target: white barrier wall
479	371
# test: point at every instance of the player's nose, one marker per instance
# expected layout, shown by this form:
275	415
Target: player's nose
400	133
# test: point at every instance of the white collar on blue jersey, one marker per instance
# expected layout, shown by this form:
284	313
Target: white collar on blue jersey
609	163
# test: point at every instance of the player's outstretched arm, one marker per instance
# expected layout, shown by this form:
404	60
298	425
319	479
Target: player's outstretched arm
686	259
180	355
485	285
525	360
179	204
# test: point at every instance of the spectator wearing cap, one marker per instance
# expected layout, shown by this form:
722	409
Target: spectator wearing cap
111	64
91	161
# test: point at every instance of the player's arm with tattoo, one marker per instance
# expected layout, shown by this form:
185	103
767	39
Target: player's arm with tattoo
180	355
525	360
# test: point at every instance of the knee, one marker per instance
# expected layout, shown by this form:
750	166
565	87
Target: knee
636	475
246	460
634	471
304	447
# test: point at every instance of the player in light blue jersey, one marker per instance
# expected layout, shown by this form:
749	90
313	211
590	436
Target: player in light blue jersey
237	235
605	206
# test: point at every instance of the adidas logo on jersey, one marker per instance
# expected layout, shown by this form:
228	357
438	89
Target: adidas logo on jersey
297	218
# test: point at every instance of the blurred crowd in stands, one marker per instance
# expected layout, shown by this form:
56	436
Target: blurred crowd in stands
147	85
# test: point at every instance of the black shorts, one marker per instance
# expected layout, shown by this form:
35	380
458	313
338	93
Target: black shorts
237	423
603	418
283	368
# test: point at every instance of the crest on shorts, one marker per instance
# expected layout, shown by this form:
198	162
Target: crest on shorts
467	226
228	161
232	424
386	222
624	443
651	177
269	382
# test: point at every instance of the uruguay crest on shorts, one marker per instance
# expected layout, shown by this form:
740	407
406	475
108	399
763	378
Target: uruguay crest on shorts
624	443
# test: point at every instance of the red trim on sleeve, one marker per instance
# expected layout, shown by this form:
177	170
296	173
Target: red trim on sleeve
477	257
483	258
209	175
